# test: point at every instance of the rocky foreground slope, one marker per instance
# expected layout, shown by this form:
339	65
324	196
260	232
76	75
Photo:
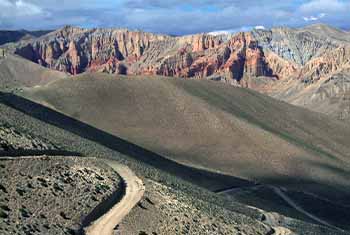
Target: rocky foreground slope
48	194
51	195
295	65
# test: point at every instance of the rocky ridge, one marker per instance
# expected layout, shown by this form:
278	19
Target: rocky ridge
281	62
76	50
280	52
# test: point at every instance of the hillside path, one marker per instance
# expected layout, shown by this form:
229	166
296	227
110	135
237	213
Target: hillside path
133	194
291	203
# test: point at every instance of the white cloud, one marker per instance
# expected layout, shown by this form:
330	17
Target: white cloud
233	31
321	15
259	27
221	32
314	18
311	18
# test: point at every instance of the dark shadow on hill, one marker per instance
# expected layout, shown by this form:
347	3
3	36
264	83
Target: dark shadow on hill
327	201
335	214
203	178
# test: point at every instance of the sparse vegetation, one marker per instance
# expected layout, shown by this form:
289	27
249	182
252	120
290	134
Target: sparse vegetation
232	129
40	200
207	202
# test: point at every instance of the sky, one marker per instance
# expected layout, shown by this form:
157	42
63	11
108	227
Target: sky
176	17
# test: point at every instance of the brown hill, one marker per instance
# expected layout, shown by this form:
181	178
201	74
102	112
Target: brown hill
209	125
18	72
169	205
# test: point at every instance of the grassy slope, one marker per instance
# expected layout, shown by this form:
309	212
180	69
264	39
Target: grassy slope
213	126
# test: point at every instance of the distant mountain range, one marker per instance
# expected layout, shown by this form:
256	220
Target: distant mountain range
309	67
7	36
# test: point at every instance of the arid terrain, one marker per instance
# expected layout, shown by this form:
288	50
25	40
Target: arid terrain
208	125
51	195
180	135
307	66
221	134
43	194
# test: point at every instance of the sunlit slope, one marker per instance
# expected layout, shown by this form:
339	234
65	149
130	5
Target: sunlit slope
18	72
213	126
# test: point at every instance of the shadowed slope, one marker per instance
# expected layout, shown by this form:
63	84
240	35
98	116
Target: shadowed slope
210	180
7	36
213	126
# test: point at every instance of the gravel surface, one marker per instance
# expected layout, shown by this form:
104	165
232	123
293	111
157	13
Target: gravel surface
51	195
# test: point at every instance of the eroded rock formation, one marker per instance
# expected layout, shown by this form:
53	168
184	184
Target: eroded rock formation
285	63
76	50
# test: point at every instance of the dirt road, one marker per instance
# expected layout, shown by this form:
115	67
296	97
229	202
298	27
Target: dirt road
272	217
133	194
290	202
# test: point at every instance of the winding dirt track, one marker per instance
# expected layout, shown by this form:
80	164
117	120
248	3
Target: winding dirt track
290	202
133	194
271	217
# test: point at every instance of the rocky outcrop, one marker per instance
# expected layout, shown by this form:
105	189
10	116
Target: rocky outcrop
282	53
202	56
279	53
200	42
282	61
76	50
281	68
326	65
296	45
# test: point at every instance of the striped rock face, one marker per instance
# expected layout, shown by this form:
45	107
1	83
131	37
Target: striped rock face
294	65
